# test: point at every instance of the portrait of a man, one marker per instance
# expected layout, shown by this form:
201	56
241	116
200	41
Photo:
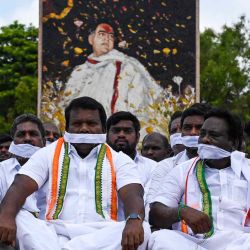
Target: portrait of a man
118	81
137	56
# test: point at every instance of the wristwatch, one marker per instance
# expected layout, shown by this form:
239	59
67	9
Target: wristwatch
134	216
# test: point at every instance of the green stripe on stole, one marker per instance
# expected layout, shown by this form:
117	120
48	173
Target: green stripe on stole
206	196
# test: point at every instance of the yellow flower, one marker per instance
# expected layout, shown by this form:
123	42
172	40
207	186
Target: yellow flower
78	50
166	51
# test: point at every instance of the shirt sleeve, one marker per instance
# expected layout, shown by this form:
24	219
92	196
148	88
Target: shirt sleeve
157	177
37	167
126	171
172	188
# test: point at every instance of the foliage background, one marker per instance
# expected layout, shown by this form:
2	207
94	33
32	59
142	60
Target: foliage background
225	67
18	72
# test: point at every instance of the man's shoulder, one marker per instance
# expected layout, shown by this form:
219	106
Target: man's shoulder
145	160
119	156
9	164
167	161
186	165
8	170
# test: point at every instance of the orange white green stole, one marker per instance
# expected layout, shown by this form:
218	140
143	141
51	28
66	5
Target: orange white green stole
199	167
59	177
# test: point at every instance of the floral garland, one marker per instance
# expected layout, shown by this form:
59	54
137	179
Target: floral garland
58	194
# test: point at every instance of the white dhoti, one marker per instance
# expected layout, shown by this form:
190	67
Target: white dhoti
221	240
36	234
33	233
96	235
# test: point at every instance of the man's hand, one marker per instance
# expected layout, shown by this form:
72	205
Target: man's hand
198	221
7	230
133	234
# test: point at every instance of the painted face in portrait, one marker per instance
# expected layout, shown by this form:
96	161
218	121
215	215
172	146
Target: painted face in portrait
102	40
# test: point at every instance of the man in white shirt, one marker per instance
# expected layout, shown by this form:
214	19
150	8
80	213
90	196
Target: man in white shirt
28	136
123	134
84	181
206	199
191	121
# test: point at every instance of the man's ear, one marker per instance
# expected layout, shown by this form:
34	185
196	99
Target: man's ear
91	39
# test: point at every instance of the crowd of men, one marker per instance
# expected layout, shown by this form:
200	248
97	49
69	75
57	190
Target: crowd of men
91	188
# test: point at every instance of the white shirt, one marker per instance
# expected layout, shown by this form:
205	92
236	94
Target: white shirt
228	188
162	169
79	202
145	167
8	170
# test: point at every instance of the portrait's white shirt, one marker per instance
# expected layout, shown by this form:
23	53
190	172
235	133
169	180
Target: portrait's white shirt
79	202
137	93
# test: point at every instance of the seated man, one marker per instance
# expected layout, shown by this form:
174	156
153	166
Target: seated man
123	134
5	141
155	146
28	136
191	122
84	180
206	199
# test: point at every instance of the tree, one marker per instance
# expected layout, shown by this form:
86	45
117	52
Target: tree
225	67
18	72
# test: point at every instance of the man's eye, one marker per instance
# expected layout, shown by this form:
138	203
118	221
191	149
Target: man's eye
187	127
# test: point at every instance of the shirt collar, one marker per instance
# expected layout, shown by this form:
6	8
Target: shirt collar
137	157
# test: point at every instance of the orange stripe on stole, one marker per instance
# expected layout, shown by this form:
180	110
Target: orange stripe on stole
54	184
113	212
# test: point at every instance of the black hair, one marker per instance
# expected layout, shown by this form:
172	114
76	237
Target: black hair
199	109
161	136
27	118
174	116
121	116
86	102
247	128
5	138
233	121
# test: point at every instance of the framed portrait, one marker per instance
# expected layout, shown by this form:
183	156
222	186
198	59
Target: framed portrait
140	56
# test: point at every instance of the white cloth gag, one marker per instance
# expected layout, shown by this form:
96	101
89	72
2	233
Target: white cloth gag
206	151
23	150
84	138
175	139
190	141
